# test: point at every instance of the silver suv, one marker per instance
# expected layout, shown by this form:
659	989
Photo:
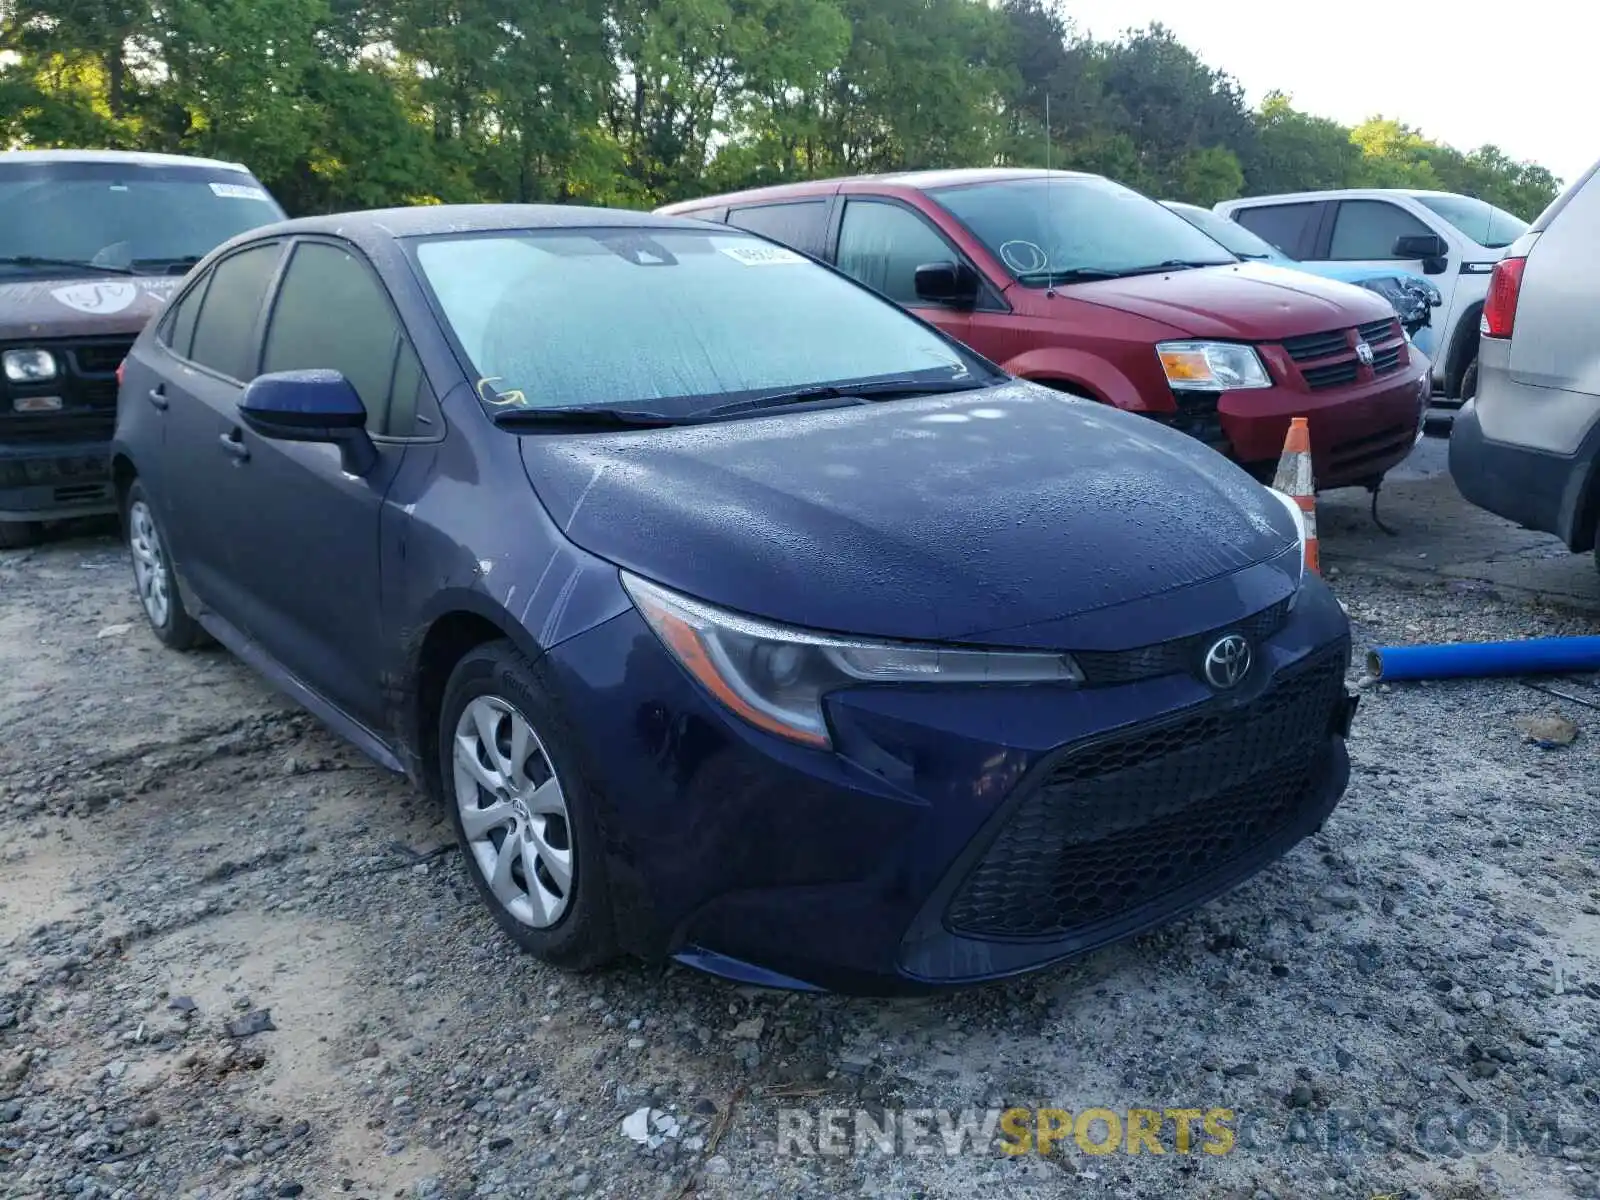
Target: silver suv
1527	447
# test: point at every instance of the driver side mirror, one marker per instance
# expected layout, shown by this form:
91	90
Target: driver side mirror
947	283
1432	249
311	406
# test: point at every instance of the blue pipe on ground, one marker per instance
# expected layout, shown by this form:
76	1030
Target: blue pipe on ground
1458	660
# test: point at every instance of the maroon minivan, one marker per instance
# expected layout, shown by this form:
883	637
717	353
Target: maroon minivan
1077	282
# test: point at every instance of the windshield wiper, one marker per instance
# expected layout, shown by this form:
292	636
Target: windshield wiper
581	418
78	264
1069	275
169	266
1172	264
859	393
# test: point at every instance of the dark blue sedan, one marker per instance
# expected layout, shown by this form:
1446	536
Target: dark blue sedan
735	613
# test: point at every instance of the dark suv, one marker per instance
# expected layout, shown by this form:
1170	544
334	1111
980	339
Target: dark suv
92	243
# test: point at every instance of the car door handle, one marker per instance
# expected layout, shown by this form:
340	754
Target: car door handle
158	396
231	443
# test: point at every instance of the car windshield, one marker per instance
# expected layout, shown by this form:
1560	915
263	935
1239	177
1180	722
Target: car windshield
1234	237
1491	227
117	218
669	321
1062	229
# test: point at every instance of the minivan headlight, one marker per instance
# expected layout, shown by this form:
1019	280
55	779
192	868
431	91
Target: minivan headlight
1212	366
28	366
1302	532
775	676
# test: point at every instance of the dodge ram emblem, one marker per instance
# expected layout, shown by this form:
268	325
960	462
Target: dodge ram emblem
1364	353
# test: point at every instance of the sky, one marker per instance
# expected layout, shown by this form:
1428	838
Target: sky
1521	74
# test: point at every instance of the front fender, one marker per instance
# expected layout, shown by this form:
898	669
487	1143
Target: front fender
1098	377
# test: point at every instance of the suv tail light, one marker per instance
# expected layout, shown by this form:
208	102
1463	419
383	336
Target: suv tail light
1500	309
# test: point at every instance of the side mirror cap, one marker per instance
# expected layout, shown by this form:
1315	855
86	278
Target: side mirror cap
947	283
1421	245
310	406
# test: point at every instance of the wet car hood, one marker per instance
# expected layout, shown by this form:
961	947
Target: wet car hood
87	307
1245	301
948	517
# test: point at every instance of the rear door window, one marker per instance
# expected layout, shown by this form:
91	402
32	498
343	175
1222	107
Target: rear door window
798	223
882	245
1286	226
1365	230
225	330
179	332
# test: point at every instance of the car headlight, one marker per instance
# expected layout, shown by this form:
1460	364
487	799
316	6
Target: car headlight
1302	532
1212	366
775	676
28	366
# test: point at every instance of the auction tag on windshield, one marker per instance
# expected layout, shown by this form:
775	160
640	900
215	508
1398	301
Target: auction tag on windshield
238	191
762	256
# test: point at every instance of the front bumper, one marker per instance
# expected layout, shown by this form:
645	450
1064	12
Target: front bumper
46	481
846	869
1358	433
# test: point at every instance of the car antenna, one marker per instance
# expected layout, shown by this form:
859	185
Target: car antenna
1049	193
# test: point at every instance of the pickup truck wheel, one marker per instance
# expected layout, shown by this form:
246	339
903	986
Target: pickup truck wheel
1469	381
15	535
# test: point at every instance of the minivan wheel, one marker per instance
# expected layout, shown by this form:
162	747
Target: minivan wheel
153	577
1469	381
18	535
523	814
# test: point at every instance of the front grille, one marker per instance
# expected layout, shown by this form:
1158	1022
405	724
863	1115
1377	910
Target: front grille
88	391
1123	821
1107	668
1317	345
1329	359
1378	331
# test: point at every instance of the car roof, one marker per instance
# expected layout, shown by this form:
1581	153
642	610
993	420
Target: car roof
130	157
371	226
1334	194
921	180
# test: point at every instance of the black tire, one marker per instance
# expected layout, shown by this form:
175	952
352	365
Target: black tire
583	936
176	628
1469	381
19	535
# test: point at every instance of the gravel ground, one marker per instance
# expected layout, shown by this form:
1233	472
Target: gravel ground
236	960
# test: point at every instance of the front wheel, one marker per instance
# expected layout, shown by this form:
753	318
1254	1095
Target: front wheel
523	813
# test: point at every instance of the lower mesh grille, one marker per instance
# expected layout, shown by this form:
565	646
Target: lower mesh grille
1121	822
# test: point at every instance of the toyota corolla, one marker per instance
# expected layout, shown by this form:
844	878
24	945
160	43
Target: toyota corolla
735	614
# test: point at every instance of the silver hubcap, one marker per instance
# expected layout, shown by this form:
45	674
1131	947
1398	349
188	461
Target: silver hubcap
149	564
514	812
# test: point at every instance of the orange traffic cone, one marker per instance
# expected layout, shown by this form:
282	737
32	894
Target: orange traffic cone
1294	480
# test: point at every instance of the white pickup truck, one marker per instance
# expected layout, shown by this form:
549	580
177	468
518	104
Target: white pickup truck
1454	240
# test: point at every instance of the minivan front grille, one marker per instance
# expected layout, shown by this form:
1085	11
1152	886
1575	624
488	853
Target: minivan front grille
1328	359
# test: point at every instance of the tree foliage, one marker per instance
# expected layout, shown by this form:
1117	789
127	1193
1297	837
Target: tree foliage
359	103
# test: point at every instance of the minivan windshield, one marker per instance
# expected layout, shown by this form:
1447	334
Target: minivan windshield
1071	228
1491	227
1232	236
668	321
78	218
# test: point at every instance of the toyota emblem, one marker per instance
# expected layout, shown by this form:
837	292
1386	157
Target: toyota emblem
1227	662
1364	353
